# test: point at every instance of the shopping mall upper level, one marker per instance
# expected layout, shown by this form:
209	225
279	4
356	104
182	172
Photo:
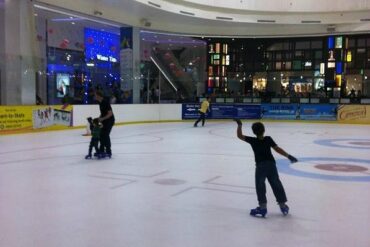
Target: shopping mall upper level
136	51
256	18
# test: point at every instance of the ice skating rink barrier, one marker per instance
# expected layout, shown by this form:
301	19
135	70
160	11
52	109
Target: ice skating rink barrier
23	119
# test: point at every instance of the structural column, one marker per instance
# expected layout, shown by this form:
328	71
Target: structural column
130	62
17	52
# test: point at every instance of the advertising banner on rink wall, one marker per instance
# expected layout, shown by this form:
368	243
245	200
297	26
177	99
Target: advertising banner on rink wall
318	112
222	111
299	111
15	119
354	114
190	111
280	111
229	111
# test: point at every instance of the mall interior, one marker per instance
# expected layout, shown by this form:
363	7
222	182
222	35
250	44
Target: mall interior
60	51
300	67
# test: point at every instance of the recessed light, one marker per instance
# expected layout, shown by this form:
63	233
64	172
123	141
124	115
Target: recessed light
73	23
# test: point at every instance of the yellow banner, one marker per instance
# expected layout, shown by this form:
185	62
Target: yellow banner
14	119
354	114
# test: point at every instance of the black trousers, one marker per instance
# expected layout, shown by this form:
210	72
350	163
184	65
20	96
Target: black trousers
201	117
267	169
105	144
94	144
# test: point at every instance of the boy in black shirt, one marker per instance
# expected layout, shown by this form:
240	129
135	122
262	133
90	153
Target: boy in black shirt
107	119
265	167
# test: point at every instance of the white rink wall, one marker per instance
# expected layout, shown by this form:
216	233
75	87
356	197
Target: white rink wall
130	113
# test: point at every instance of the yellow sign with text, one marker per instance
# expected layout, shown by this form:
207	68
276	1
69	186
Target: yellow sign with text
354	114
15	119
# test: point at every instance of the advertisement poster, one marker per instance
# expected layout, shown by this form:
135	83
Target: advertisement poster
229	111
354	114
52	116
15	119
318	112
63	84
223	111
190	111
280	111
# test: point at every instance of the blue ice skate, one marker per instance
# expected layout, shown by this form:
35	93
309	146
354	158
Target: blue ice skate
105	155
284	209
258	212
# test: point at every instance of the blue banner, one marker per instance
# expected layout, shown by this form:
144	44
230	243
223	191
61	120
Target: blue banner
318	112
280	111
229	111
190	111
223	111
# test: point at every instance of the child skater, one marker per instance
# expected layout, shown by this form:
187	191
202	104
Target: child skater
265	167
95	128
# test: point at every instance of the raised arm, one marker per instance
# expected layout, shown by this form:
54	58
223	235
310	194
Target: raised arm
239	131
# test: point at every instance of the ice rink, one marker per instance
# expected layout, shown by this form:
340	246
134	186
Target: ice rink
172	185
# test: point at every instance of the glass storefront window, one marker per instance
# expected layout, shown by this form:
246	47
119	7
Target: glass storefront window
288	65
318	55
302	45
298	54
297	65
317	44
361	42
278	65
278	55
351	42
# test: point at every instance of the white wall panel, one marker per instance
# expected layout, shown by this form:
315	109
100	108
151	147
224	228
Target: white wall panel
129	113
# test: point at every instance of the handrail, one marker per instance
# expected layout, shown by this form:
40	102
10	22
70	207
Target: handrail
163	73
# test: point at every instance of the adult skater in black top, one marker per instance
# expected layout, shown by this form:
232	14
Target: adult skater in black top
107	119
265	167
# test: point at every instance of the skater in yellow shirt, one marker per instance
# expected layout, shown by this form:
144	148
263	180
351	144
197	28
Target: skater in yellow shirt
202	111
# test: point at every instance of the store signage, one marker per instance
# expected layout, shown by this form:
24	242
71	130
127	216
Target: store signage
223	111
349	56
339	42
106	59
279	111
322	68
331	65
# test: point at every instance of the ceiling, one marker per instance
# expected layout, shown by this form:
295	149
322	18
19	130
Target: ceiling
236	18
160	40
